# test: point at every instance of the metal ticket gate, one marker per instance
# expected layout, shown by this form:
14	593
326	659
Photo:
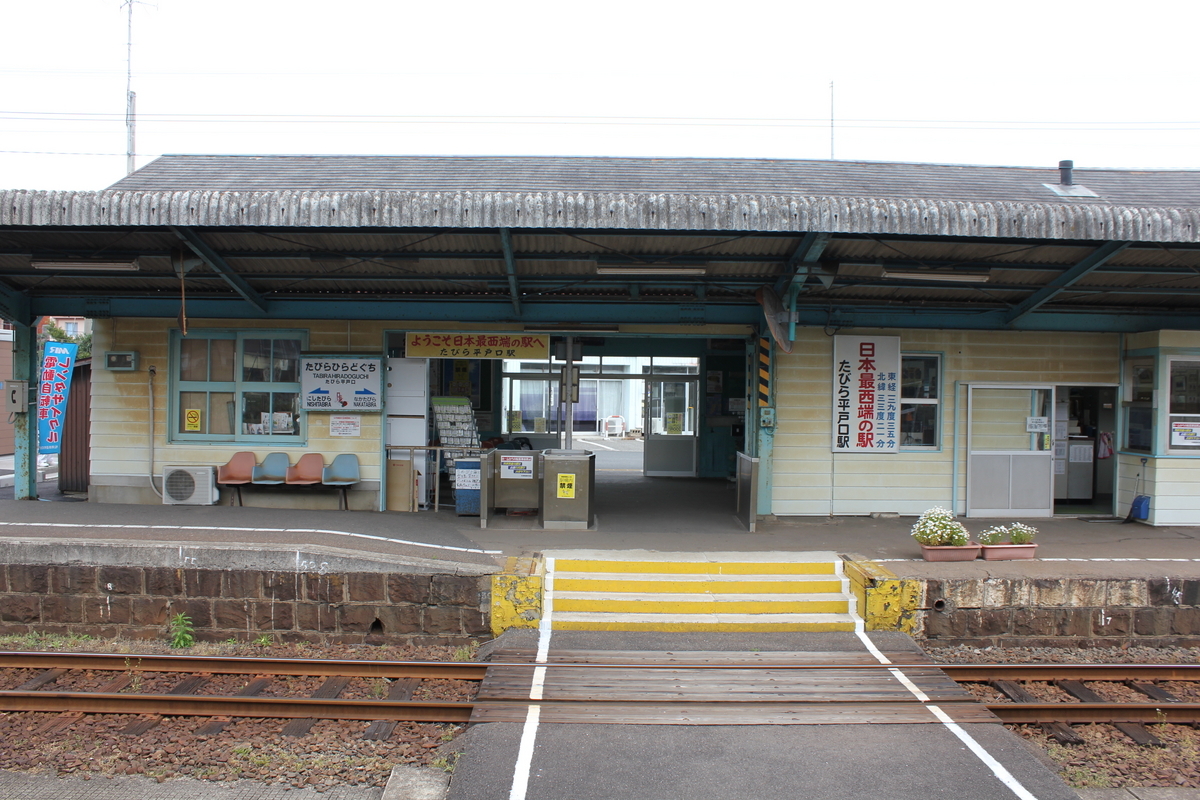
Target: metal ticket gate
559	484
747	491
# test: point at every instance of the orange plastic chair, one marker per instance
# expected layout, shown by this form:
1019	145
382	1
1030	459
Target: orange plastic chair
238	472
307	470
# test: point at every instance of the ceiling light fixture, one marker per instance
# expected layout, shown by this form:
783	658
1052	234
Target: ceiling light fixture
944	277
88	266
650	269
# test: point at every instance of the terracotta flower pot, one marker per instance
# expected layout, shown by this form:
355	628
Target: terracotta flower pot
950	552
1009	552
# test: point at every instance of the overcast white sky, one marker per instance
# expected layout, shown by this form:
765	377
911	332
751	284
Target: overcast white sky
948	81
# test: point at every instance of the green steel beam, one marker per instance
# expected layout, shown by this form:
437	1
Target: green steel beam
510	267
14	305
642	311
795	270
1070	276
218	264
25	429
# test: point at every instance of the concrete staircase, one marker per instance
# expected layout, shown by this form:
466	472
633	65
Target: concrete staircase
624	590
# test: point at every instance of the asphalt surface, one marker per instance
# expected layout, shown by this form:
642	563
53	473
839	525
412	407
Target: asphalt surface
778	762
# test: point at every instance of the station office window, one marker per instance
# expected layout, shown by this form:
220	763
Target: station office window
1183	414
237	386
920	400
1139	405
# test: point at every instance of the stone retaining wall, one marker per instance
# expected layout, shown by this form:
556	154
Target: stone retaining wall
1050	612
137	602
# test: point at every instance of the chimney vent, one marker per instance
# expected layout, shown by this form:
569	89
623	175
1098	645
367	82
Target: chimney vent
1064	172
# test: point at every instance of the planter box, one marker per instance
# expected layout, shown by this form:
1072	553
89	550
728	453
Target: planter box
966	552
1008	552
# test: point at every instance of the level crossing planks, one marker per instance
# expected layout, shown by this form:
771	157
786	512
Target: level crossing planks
720	688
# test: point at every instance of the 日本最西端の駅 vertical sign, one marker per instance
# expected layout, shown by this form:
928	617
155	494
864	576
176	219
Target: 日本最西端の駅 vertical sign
866	394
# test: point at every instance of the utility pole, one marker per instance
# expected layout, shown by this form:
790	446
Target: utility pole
130	97
831	120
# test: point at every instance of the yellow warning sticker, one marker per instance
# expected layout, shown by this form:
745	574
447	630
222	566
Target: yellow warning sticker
191	419
566	485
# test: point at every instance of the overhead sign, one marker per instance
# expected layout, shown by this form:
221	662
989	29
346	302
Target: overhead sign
866	394
54	387
341	383
477	345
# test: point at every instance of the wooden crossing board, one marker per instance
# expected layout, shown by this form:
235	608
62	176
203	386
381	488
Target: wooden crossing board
760	690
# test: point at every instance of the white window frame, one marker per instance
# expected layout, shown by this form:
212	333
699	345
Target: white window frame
933	401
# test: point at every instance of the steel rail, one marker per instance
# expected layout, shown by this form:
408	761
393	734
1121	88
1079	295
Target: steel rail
1074	672
218	706
464	670
467	670
1148	713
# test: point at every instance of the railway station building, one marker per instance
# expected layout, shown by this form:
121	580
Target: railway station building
870	337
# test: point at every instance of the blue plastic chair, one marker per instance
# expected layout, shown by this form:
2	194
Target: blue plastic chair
273	469
342	473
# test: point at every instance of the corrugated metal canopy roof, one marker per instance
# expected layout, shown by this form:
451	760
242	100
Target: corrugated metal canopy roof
269	173
429	232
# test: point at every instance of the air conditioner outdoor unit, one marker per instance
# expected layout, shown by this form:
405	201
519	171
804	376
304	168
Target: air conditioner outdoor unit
189	486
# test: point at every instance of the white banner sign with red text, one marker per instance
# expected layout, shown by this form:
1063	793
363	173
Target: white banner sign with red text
866	394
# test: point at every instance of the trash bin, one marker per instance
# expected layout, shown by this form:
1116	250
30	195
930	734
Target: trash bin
466	486
568	483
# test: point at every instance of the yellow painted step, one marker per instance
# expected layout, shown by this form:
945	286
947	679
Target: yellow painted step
703	622
749	586
710	606
698	567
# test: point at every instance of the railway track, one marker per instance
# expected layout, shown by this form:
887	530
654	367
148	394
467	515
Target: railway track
704	688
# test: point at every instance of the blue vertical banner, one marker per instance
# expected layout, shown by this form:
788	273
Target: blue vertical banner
54	387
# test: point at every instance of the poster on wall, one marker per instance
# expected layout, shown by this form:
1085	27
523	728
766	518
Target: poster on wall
866	394
341	383
345	425
54	387
1185	434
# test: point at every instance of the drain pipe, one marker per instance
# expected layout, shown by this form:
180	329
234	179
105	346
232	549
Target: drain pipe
150	392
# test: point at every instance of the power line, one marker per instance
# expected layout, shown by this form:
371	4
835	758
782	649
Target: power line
762	122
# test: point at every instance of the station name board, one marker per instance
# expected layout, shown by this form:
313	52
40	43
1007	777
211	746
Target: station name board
341	383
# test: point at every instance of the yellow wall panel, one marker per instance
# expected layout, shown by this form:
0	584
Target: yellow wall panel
803	405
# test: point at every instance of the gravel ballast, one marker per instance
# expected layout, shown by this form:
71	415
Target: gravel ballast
1107	759
333	753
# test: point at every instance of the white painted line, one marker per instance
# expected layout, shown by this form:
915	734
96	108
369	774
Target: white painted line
254	530
975	747
591	443
524	766
545	624
998	769
520	783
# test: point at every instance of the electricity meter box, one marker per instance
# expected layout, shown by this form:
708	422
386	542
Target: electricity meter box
568	485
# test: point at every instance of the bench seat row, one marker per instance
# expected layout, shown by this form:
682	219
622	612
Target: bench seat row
276	469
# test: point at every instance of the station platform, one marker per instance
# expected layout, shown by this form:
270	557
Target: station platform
1067	546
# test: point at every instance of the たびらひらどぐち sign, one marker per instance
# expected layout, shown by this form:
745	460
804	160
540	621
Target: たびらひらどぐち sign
341	383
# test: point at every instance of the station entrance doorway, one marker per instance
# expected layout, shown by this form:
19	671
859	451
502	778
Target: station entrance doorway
665	417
